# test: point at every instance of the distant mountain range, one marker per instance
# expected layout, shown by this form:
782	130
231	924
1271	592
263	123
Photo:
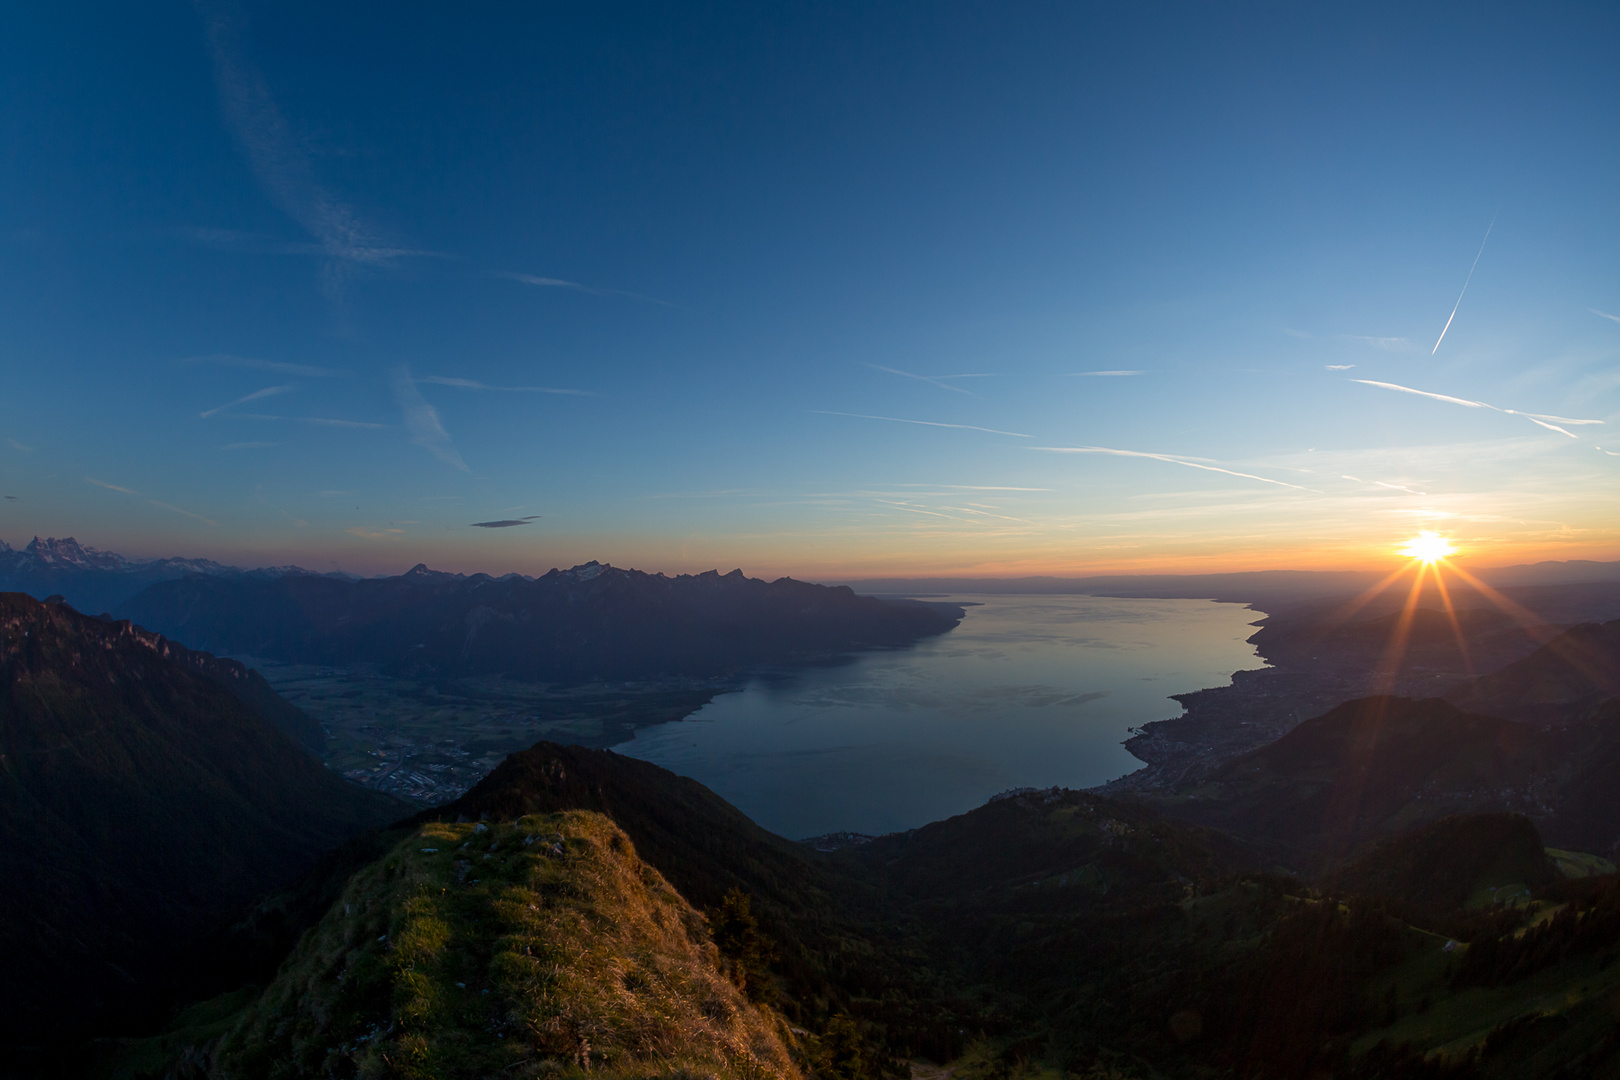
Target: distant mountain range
93	580
587	624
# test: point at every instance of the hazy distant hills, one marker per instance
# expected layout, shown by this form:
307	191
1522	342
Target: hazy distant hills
1258	587
1470	639
589	623
1579	666
1374	767
143	801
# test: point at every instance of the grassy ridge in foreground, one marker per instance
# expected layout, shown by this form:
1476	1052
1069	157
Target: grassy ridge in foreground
545	945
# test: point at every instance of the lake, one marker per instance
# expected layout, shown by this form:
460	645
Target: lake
1028	691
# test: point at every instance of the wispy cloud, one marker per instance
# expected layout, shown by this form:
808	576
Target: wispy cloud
15	445
1539	419
1388	344
1604	314
721	493
973	487
1380	483
1171	458
269	391
185	513
282	167
317	421
469	384
505	523
373	534
1340	367
574	286
306	371
933	380
1102	374
150	502
925	423
422	421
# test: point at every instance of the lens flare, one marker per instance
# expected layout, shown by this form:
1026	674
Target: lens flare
1428	547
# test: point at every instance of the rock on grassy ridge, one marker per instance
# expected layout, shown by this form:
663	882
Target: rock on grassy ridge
539	947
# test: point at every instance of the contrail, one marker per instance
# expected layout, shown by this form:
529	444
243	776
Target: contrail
1424	393
1470	277
269	391
925	423
935	380
1541	419
1169	458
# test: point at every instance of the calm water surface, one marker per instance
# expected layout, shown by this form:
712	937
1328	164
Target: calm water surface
1027	691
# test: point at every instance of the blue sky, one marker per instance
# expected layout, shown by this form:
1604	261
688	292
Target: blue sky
816	289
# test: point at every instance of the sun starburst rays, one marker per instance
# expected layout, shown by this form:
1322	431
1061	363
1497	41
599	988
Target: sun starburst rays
1428	547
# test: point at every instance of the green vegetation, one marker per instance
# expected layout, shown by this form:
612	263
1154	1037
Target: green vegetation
1577	864
539	947
745	953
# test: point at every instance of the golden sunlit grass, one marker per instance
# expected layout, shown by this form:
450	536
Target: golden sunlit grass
539	948
1428	547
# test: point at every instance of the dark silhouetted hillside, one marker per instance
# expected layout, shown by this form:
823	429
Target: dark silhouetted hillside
1438	868
142	804
1370	768
1478	639
586	624
1578	667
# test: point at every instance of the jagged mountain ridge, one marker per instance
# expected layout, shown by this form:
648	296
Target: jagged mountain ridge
143	802
88	578
588	623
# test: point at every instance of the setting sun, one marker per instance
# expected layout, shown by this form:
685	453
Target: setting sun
1428	546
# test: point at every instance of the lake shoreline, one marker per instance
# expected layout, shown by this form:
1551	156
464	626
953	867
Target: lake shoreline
1028	690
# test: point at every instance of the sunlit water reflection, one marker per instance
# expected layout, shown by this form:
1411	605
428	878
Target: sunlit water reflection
1027	691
